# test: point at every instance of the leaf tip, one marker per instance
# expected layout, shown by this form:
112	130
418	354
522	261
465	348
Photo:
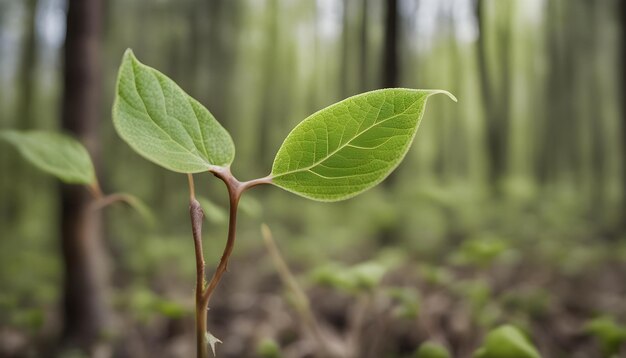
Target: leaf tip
450	95
129	53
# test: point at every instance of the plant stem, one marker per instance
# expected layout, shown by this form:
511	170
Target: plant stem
196	214
95	190
107	200
235	189
203	290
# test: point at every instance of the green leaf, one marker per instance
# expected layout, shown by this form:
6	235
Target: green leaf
432	350
507	342
610	334
268	348
54	153
351	146
164	124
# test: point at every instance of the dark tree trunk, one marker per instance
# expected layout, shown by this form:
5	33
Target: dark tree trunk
14	208
364	38
390	70
84	309
390	56
623	101
495	98
344	76
28	61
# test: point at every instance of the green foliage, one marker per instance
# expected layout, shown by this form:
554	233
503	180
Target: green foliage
144	303
610	334
268	348
358	278
349	147
481	251
432	350
54	153
506	342
435	275
164	124
408	302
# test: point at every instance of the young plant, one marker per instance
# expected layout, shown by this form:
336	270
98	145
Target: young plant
334	154
507	342
67	159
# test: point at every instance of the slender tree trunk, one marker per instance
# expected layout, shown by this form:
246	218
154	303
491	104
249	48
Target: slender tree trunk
270	71
495	98
84	308
623	102
27	69
391	62
14	208
344	76
389	79
363	49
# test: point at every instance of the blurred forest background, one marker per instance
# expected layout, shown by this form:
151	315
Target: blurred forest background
509	208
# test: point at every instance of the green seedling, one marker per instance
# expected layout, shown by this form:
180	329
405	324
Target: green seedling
431	350
480	251
268	348
408	302
68	160
334	154
610	335
507	342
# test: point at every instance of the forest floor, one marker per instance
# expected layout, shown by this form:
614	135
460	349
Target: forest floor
252	312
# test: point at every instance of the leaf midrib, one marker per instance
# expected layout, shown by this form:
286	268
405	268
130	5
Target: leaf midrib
345	144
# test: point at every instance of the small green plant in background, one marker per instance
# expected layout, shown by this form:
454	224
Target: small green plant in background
334	154
610	335
431	350
67	159
506	342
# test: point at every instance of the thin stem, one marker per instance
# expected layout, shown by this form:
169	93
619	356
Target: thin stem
203	290
235	189
104	201
303	305
196	214
192	187
234	194
95	190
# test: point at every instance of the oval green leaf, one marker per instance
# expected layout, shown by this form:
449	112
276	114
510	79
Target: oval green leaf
164	124
507	342
54	153
349	147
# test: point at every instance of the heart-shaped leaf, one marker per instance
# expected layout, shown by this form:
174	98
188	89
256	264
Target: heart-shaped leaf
350	146
164	124
54	153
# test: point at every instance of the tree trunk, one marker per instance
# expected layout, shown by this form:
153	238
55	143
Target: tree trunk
623	102
28	60
363	48
84	310
391	62
495	98
390	69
